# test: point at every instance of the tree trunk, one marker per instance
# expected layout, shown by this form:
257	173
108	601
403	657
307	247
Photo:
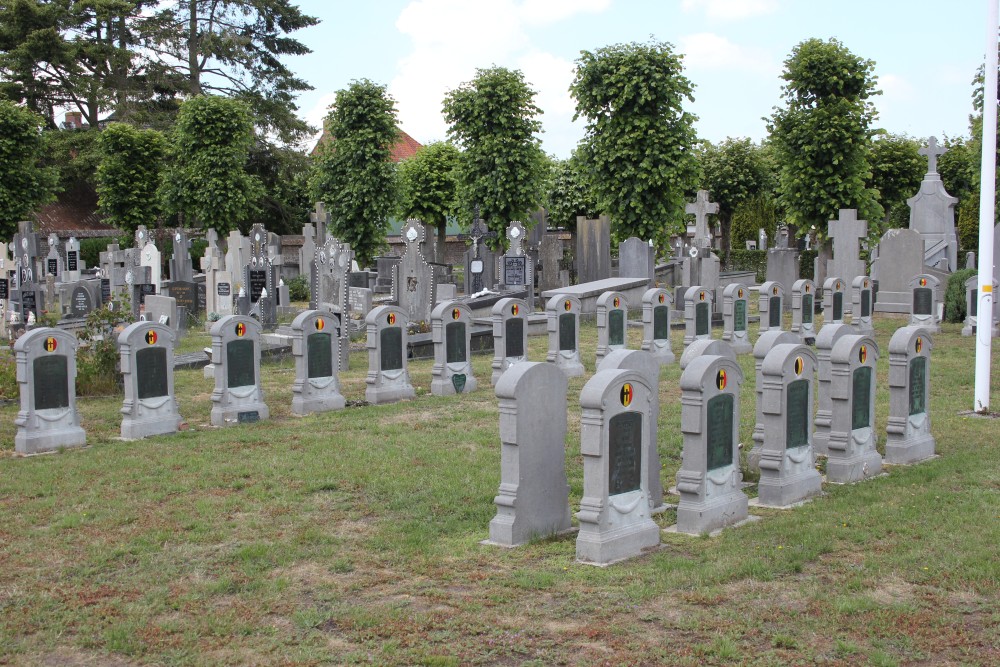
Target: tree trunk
193	43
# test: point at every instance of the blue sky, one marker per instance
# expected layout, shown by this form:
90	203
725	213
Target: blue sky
926	53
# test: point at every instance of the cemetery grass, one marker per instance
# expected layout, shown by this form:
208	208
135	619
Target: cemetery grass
353	537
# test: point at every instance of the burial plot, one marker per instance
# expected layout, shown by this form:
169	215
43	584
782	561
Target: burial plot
510	335
735	309
451	331
828	337
388	378
833	301
861	305
533	498
147	365
909	438
612	323
803	310
851	453
770	302
656	325
787	473
316	348
562	319
697	314
765	343
709	480
46	376
238	397
924	303
615	427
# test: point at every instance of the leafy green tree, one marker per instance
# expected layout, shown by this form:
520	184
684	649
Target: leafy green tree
428	184
959	167
638	148
896	171
752	215
353	173
129	175
822	136
25	184
494	119
734	171
569	194
284	202
207	182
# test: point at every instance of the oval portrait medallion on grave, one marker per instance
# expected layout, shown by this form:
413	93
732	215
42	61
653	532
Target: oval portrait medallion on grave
721	379
241	329
663	297
618	302
627	393
863	354
320	323
799	365
391	318
567	305
918	345
514	309
456	313
51	344
151	337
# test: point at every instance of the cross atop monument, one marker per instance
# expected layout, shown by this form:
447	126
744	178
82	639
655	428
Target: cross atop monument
932	151
515	237
701	208
321	218
847	232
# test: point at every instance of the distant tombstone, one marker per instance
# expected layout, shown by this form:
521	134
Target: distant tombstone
46	375
765	343
480	261
224	294
783	264
615	518
862	304
972	297
316	348
388	377
593	249
833	300
932	214
180	260
970	257
827	338
735	316
510	335
656	325
804	310
238	397
900	257
162	309
259	279
150	257
851	453
147	366
32	300
909	437
703	346
551	254
697	314
186	294
53	261
533	498
81	302
562	318
332	292
787	473
771	297
451	332
237	253
847	232
416	287
386	269
924	303
361	300
612	323
701	266
709	481
636	259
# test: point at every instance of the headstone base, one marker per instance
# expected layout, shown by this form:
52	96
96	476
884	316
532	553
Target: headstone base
787	482
603	547
389	393
570	364
136	429
714	512
445	386
865	464
662	351
911	443
243	413
49	440
304	406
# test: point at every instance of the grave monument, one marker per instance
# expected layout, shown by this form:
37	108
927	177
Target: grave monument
909	438
851	453
388	377
147	366
510	335
562	320
612	323
316	348
451	331
238	397
656	325
735	306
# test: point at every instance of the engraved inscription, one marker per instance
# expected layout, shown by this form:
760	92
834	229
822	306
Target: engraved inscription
861	388
320	355
719	436
866	303
454	342
661	323
740	315
240	369
797	414
567	332
514	337
923	298
391	348
774	312
51	382
918	385
624	453
616	327
807	309
701	319
151	372
838	306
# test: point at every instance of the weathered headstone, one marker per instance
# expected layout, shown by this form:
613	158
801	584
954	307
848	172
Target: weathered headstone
636	259
701	266
190	296
332	288
480	261
415	289
862	304
909	437
82	302
147	365
517	272
53	260
510	335
551	254
361	300
765	343
847	232
851	453
181	267
827	338
932	214
593	249
972	297
656	325
804	310
150	257
783	263
562	321
771	297
259	279
612	323
833	300
316	348
74	264
735	316
451	331
46	375
900	257
697	314
924	302
388	377
238	397
162	310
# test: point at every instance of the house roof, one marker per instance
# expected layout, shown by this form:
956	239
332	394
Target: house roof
73	212
404	148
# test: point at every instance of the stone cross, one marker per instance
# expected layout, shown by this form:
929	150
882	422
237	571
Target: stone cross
701	208
932	151
321	219
847	233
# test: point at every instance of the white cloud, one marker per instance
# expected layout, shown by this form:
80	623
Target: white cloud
706	50
896	88
730	9
544	12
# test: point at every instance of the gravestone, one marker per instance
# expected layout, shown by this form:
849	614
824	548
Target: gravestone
562	320
771	297
851	453
900	257
932	215
593	249
388	378
551	254
735	317
709	481
181	267
416	286
451	332
46	375
827	338
783	262
637	259
972	298
612	323
833	300
82	302
704	346
909	437
787	473
361	300
212	265
32	301
765	342
656	325
847	232
150	257
480	261
533	498
615	429
259	280
147	366
316	348
862	303
517	272
697	314
332	292
924	302
162	310
237	255
701	266
238	397
74	264
510	335
53	260
804	310
307	258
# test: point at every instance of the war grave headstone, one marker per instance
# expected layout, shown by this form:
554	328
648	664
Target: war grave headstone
909	439
415	289
833	300
924	303
238	397
451	332
259	279
783	261
862	298
593	249
388	377
480	261
787	472
900	257
703	346
804	310
612	323
851	453
517	271
562	321
735	316
656	325
766	341
847	232
932	215
53	260
46	375
771	297
181	268
615	428
147	366
636	259
701	266
697	314
709	481
315	347
74	264
972	297
533	498
827	338
510	335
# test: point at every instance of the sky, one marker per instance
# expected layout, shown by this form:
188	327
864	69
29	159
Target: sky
926	53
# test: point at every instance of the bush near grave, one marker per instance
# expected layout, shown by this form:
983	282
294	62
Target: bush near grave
298	288
954	295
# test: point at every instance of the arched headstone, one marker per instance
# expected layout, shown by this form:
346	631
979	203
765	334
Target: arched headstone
147	364
316	349
238	396
388	377
46	374
851	453
510	335
909	437
803	310
451	331
612	323
562	320
735	317
771	298
656	324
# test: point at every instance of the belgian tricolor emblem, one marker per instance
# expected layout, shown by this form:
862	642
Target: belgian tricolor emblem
51	344
514	309
627	394
919	345
320	323
618	302
567	305
456	313
241	329
721	379
799	365
739	294
838	287
391	318
663	297
774	290
808	289
701	296
151	337
863	354
923	282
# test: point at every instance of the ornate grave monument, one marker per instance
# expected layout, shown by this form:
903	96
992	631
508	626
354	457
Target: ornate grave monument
238	397
562	320
932	214
612	323
388	377
147	365
517	271
510	335
770	303
851	453
924	303
46	375
316	348
909	438
701	267
735	306
451	331
697	314
331	289
259	280
861	305
656	325
803	310
416	289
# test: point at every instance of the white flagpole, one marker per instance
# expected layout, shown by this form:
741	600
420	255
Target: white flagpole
987	191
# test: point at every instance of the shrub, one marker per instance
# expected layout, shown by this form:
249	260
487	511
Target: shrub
954	296
806	260
91	249
97	362
749	260
298	288
968	223
8	375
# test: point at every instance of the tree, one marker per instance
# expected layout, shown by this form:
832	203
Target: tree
896	171
353	173
822	137
639	140
25	184
428	184
569	194
493	118
284	202
129	175
734	172
208	182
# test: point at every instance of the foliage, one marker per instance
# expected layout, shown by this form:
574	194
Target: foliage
822	136
959	167
284	202
639	140
129	175
25	184
569	194
428	184
954	295
968	224
734	172
896	171
752	215
9	390
75	154
353	173
807	259
208	182
97	359
298	288
741	259
91	249
494	119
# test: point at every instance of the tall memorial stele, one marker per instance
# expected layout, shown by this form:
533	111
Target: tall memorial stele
147	365
46	375
238	397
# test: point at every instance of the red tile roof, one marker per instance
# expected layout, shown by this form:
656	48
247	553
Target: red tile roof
404	148
73	211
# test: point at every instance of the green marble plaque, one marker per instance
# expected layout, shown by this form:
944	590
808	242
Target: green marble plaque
320	355
151	372
774	312
701	315
923	300
567	332
861	388
866	303
661	323
918	385
624	453
797	414
616	327
807	309
740	315
240	369
454	342
391	348
51	382
838	306
514	337
719	426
